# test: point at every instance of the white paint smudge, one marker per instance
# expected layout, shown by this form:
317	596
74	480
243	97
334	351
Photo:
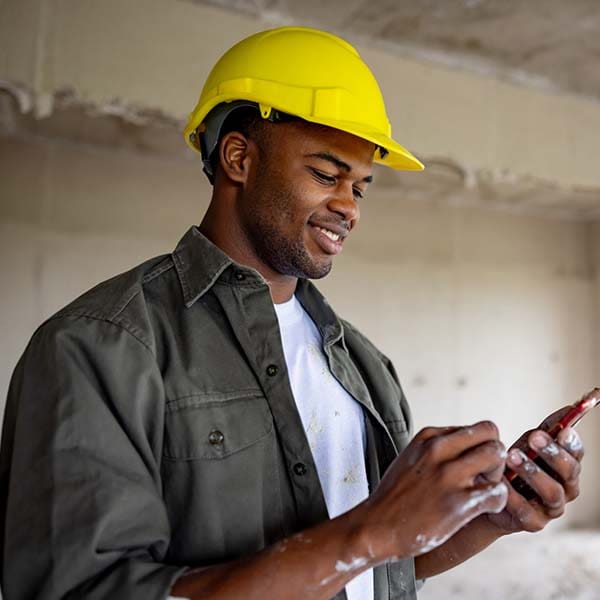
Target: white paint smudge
425	544
355	564
314	426
573	442
480	496
300	537
350	476
551	449
370	551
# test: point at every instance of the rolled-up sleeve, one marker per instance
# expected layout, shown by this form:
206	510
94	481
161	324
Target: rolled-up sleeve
83	515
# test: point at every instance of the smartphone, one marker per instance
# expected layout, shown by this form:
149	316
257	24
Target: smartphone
570	419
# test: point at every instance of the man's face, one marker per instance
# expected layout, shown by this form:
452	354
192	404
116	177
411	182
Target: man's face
301	200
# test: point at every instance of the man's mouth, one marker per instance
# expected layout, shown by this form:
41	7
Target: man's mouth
330	234
329	240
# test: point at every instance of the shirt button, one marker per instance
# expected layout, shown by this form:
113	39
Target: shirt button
216	438
272	370
239	276
300	469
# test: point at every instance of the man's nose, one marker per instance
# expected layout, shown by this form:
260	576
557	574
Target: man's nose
344	203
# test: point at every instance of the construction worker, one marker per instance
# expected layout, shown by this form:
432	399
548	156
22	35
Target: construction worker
206	426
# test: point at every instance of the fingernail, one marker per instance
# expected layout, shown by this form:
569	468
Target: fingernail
538	441
515	458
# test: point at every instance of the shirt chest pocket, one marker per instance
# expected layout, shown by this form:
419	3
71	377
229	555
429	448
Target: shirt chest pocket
216	425
221	487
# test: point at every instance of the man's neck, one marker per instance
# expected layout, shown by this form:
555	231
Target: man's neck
231	241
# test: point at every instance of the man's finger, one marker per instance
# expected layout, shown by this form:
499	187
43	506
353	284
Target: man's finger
550	492
428	433
562	462
451	445
527	515
486	460
483	498
570	440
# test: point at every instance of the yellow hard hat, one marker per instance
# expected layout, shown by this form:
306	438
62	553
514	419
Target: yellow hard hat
305	73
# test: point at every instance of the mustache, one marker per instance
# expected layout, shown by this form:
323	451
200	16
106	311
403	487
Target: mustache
329	220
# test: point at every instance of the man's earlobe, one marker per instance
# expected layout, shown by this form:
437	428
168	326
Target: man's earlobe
233	156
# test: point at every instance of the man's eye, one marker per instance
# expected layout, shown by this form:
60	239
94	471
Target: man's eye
330	179
359	194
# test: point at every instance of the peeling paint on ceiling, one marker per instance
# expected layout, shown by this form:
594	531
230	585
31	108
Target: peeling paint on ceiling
546	44
126	128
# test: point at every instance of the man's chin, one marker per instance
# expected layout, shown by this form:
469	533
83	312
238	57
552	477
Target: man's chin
313	270
319	270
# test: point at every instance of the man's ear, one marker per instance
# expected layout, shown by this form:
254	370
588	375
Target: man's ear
235	156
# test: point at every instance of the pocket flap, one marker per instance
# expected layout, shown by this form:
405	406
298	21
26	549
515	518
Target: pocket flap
202	427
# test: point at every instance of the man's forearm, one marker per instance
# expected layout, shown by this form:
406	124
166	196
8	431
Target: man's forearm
311	565
470	540
318	562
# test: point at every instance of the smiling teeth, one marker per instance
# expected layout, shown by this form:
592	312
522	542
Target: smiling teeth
330	234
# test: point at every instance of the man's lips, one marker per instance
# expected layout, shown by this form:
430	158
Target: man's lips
329	237
337	231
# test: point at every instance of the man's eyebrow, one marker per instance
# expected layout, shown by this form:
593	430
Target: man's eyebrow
337	161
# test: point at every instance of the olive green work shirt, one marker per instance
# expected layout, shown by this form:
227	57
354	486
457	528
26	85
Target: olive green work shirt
150	427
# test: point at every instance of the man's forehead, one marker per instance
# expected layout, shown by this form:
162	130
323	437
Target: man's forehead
347	151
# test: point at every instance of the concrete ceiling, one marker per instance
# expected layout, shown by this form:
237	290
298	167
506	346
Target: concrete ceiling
551	44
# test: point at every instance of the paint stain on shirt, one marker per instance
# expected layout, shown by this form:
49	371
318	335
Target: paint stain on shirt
350	476
314	426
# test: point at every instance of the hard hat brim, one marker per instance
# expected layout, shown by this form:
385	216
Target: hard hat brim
397	157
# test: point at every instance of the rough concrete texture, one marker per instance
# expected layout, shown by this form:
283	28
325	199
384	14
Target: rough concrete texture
548	44
546	566
123	56
153	133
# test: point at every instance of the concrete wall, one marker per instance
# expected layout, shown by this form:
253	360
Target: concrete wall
485	314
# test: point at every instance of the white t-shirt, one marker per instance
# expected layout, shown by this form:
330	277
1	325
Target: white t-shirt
333	421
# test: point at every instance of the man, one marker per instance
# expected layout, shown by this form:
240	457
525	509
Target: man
205	426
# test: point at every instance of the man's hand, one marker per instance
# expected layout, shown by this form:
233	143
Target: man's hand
442	480
563	456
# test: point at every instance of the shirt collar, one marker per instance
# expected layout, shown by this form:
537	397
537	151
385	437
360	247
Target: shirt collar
199	264
315	304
